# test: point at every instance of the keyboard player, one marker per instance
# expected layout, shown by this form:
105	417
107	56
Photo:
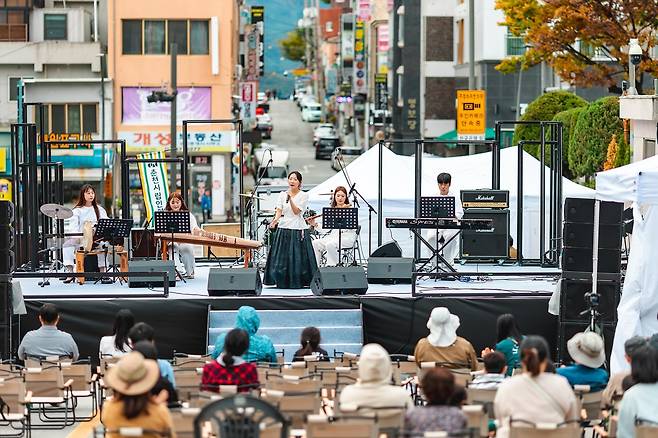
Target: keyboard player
451	250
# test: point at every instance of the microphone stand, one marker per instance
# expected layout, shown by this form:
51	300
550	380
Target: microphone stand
250	202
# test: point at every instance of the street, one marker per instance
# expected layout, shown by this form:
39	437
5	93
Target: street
292	134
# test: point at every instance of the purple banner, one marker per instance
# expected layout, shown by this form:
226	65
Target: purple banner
192	103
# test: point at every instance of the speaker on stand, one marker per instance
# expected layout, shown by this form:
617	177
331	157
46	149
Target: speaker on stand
8	324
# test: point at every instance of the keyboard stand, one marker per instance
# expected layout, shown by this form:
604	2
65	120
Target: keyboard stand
436	252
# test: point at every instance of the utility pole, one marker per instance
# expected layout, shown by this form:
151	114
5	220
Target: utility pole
471	57
174	91
103	74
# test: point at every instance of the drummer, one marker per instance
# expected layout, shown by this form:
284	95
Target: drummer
86	211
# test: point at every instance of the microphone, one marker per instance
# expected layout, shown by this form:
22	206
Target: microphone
288	198
351	189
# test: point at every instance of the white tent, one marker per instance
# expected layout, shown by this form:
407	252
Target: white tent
636	183
468	172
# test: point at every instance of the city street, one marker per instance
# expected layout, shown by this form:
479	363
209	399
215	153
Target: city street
292	134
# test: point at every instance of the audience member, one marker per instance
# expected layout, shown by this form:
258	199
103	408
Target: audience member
144	332
534	395
459	396
163	389
508	339
118	344
615	388
310	341
132	404
48	340
443	344
374	388
438	386
587	351
495	372
261	348
230	368
639	402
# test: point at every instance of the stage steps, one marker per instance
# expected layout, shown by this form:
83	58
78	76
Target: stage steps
341	329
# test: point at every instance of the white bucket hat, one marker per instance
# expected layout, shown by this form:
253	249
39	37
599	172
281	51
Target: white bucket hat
587	349
443	327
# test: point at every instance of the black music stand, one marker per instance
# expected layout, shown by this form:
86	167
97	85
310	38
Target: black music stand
438	207
110	230
340	219
173	222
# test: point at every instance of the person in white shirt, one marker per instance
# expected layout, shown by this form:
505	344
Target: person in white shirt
329	244
118	344
451	250
639	402
85	211
291	262
185	251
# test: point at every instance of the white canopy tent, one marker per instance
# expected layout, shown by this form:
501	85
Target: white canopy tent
638	308
468	172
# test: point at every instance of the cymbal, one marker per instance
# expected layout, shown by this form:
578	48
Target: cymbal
56	211
251	196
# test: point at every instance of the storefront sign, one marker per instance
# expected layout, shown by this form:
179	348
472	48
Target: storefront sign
347	41
258	19
381	92
155	184
471	114
360	80
363	9
217	141
192	103
5	189
54	136
248	94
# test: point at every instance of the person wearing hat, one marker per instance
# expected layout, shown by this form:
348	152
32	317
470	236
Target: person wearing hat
587	351
261	348
614	387
132	404
443	344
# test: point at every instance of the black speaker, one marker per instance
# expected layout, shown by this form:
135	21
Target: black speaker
390	270
573	299
567	330
340	280
167	266
7	260
6	213
229	281
582	210
581	235
486	244
389	249
580	260
6	307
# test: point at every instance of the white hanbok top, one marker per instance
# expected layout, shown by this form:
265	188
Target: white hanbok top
84	214
459	210
289	219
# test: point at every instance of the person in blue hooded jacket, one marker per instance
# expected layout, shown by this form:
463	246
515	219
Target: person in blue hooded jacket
261	348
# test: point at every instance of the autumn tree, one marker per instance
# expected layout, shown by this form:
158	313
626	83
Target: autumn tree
293	45
584	41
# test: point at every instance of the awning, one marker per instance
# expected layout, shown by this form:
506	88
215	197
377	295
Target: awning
490	134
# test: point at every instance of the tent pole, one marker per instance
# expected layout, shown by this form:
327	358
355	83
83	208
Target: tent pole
595	252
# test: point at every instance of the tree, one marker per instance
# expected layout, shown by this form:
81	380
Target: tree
596	126
568	119
573	35
611	158
294	45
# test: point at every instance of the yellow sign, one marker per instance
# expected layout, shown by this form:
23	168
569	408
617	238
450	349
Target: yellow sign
5	189
3	160
301	72
471	114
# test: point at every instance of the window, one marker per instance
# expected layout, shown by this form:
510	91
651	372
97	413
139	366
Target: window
515	45
37	118
13	88
54	26
154	37
89	120
199	37
132	37
73	118
329	26
400	26
649	147
177	33
58	118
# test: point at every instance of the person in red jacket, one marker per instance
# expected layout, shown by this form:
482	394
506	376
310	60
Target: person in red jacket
230	368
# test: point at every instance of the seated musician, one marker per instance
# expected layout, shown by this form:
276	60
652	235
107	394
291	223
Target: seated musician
86	214
329	244
185	251
451	250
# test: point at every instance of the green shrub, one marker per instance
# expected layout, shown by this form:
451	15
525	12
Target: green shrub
568	119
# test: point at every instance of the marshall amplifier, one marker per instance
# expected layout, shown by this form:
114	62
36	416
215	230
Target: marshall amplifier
495	199
489	244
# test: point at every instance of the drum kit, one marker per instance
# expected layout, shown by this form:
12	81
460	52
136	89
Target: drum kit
56	244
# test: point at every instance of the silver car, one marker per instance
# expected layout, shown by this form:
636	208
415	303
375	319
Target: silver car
346	154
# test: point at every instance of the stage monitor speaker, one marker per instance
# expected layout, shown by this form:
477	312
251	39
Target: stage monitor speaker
581	210
167	266
567	330
390	270
6	213
574	301
486	244
340	280
580	235
389	249
580	260
5	303
7	260
228	281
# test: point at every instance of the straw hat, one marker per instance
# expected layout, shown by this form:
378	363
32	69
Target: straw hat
443	327
133	375
587	349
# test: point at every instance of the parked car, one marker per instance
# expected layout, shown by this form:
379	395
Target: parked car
325	147
323	130
312	112
345	153
264	125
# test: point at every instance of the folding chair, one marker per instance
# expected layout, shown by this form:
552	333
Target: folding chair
484	397
645	428
295	405
190	361
404	368
188	380
48	392
318	426
84	385
293	383
477	420
390	418
183	419
527	429
100	432
14	405
589	403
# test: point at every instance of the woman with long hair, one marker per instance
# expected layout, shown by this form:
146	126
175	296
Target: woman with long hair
185	251
328	245
118	344
508	339
291	262
230	368
310	341
86	212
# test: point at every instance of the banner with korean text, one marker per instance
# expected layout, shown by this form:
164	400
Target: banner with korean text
155	188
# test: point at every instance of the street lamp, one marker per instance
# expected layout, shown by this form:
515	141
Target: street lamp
634	57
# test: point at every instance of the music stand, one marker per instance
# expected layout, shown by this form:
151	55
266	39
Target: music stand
109	230
173	222
438	207
340	219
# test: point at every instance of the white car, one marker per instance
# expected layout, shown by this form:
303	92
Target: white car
346	154
323	130
312	112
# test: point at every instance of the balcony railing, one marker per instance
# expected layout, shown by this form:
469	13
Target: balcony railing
13	32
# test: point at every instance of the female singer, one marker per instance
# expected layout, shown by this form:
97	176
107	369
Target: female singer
329	243
86	211
291	263
185	251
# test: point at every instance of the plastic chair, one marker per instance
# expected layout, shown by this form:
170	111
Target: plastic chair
319	426
527	429
14	405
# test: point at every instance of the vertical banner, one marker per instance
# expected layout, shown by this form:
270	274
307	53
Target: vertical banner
155	188
471	114
347	43
381	91
258	19
360	84
248	93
